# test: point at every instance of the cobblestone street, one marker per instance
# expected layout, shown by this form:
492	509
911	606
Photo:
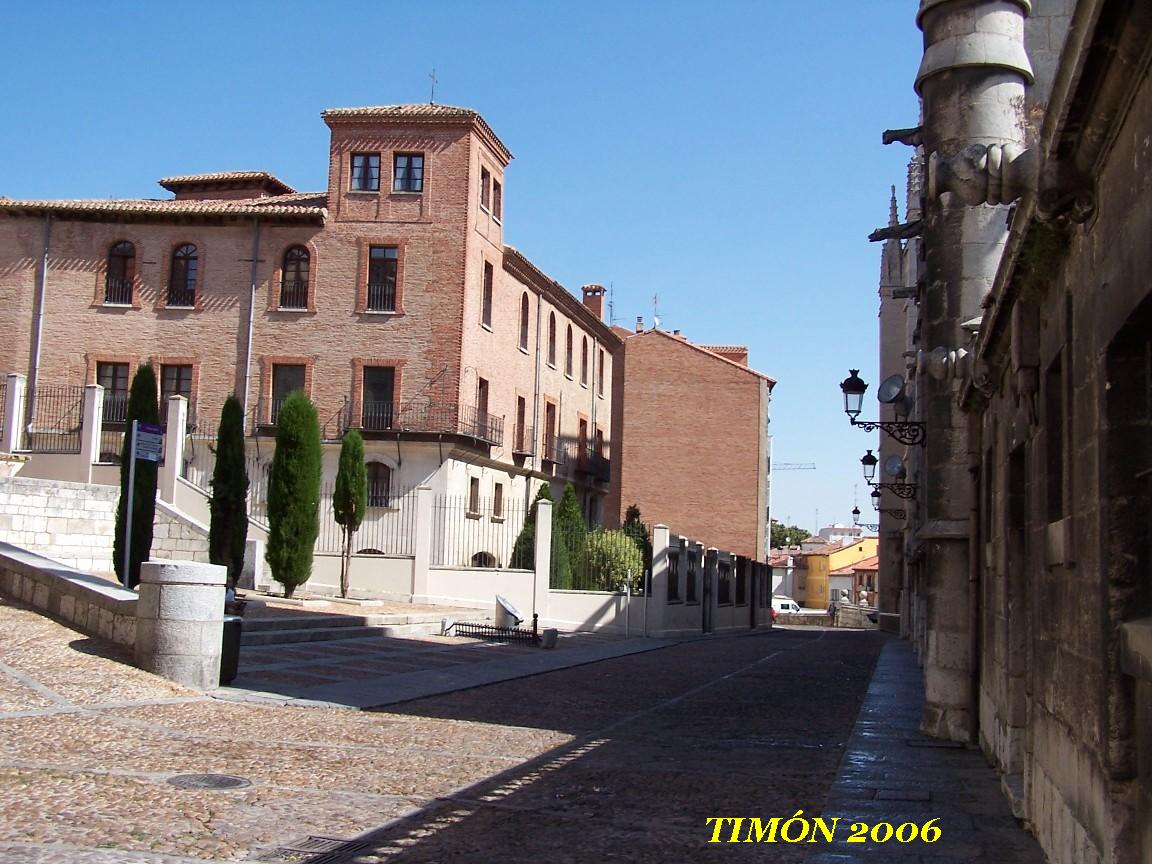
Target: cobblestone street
619	760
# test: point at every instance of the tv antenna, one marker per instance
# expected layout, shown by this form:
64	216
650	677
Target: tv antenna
432	75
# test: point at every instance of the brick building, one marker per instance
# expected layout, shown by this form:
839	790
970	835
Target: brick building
390	297
691	430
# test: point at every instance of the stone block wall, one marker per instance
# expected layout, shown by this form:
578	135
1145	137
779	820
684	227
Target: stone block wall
90	604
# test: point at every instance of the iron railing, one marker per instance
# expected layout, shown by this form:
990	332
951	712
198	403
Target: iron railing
181	297
294	294
389	526
476	533
523	440
118	291
473	630
381	297
377	416
115	406
555	450
3	403
57	420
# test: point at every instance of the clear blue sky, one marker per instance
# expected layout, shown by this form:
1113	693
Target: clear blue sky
725	157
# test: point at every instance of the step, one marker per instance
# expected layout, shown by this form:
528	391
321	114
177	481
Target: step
293	629
340	620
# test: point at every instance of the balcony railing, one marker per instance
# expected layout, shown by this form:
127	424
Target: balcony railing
377	416
294	294
412	417
118	292
115	406
523	441
181	298
381	297
555	450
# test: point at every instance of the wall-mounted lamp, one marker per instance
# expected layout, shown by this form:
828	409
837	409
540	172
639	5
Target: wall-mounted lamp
891	392
867	526
895	513
894	468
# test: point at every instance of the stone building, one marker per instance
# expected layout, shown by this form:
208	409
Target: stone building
1026	557
390	297
691	429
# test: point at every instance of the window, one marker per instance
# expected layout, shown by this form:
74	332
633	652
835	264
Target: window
113	377
485	188
182	276
121	271
408	172
382	265
724	584
552	339
521	415
365	172
498	501
584	362
690	578
379	484
482	407
175	380
600	373
1054	437
474	495
550	431
582	441
294	279
286	378
568	352
486	301
599	441
377	410
524	321
497	199
673	575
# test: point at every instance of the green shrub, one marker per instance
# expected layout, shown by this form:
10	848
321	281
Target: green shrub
228	525
142	406
294	494
612	560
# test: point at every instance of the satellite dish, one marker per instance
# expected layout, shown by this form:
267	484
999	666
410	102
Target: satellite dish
894	467
890	389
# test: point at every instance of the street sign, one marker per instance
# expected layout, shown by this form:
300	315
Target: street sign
149	442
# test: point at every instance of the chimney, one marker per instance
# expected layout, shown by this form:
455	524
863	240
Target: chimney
594	300
639	323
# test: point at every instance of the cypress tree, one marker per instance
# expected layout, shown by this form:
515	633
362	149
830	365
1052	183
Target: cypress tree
143	406
294	493
568	533
228	528
638	531
350	498
524	550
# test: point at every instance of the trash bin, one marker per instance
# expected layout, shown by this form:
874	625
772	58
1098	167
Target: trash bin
230	649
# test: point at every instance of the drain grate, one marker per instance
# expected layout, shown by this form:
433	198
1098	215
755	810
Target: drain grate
207	781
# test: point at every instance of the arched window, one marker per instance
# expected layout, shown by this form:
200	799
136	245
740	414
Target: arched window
524	321
584	362
568	353
121	272
182	276
551	338
294	278
379	484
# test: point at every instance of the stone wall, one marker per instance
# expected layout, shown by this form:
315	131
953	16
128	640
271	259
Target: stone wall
73	523
90	604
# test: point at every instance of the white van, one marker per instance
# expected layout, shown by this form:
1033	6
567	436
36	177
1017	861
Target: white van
782	604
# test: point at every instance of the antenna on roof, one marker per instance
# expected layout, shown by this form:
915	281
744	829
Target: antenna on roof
655	310
432	98
611	305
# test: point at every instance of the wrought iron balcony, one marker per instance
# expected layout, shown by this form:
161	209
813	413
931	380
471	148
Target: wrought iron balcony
523	441
118	291
294	294
381	297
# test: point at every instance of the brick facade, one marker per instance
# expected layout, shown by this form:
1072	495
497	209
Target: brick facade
242	224
691	431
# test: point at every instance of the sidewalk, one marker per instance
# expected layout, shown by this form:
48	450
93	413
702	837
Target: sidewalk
891	773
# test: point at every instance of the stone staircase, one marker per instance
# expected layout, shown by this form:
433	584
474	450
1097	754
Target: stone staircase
325	627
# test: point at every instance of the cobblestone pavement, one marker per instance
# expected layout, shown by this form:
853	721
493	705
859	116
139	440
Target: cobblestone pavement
620	760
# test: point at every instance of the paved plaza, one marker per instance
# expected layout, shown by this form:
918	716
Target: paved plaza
603	758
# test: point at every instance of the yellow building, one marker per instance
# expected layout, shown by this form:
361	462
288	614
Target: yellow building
821	562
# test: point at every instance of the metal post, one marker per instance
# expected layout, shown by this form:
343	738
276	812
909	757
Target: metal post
627	603
128	505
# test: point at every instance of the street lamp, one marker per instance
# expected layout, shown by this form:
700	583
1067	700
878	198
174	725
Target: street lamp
869	462
895	513
894	467
905	431
867	526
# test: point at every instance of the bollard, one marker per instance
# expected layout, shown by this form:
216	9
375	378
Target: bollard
180	621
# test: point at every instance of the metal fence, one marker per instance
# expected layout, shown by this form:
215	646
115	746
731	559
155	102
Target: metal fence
596	560
478	532
57	420
3	402
388	530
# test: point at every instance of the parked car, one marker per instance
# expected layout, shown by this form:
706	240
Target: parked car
782	604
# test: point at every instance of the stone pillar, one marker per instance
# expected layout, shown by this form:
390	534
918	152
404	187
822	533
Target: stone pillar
252	576
423	552
93	410
972	81
177	422
657	600
543	575
14	396
179	621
